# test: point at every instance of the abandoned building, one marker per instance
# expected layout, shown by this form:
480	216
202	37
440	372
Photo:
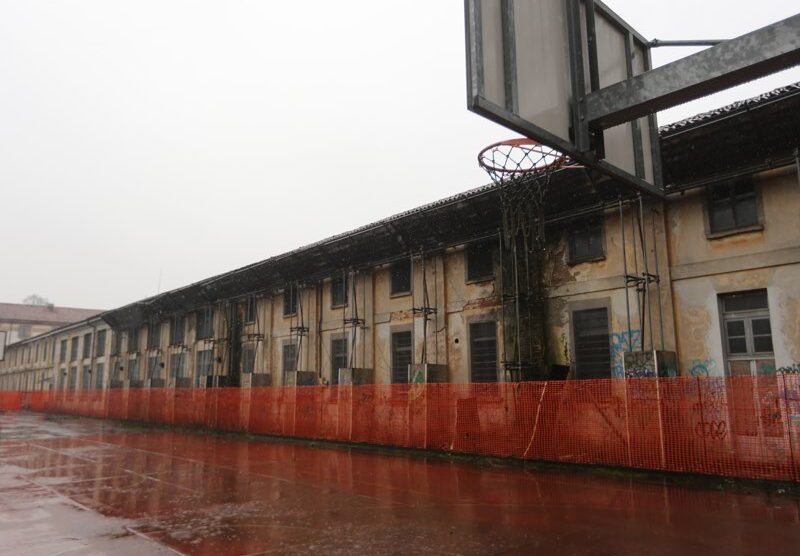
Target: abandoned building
706	282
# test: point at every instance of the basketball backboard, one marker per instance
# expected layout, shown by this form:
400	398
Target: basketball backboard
573	75
530	63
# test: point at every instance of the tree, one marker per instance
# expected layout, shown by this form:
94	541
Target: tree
35	299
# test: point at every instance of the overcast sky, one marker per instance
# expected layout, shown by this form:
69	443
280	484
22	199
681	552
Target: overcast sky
180	139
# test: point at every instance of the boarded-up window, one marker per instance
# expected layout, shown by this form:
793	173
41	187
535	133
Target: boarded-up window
338	291
483	351
591	341
732	205
480	261
338	358
401	356
585	240
401	277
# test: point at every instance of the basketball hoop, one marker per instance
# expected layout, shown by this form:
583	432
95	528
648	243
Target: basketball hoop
521	169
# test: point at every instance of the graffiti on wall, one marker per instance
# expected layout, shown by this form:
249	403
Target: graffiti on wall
702	367
711	409
770	368
620	343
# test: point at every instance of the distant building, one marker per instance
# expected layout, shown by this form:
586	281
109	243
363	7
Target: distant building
20	321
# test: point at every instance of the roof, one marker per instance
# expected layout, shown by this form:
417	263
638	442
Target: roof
44	314
731	109
763	133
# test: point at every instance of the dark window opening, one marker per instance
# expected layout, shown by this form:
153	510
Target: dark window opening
101	343
338	358
133	340
177	330
204	365
339	291
591	339
87	345
153	335
73	349
401	277
62	354
154	366
732	205
176	365
483	351
205	323
99	369
480	261
289	361
401	356
289	301
251	307
248	360
133	369
586	240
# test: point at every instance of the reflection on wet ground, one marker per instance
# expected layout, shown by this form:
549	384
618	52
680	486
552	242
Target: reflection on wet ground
156	490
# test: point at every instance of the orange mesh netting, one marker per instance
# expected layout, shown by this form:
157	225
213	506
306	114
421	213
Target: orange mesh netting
737	426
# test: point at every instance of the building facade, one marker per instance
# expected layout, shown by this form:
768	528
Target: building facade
705	282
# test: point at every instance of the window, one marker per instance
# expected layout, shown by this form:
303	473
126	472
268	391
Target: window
117	345
401	277
24	331
289	360
101	343
87	345
591	343
480	262
586	240
289	301
747	333
248	359
204	365
176	365
133	369
73	349
62	354
154	366
338	357
251	309
339	291
86	377
99	369
483	351
72	378
133	340
205	323
732	205
177	330
401	356
153	335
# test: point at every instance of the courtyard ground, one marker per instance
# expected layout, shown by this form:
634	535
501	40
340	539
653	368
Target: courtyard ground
83	486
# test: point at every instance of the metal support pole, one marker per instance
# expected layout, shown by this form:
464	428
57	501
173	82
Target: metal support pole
639	314
625	271
516	302
655	43
647	301
658	282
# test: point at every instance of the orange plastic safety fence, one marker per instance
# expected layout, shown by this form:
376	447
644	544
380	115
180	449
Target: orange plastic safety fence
735	426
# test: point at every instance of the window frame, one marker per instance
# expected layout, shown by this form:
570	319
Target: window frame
343	279
284	370
747	316
250	309
471	356
589	305
207	330
406	262
173	336
248	356
290	304
586	224
333	355
708	202
393	332
471	248
100	343
133	340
